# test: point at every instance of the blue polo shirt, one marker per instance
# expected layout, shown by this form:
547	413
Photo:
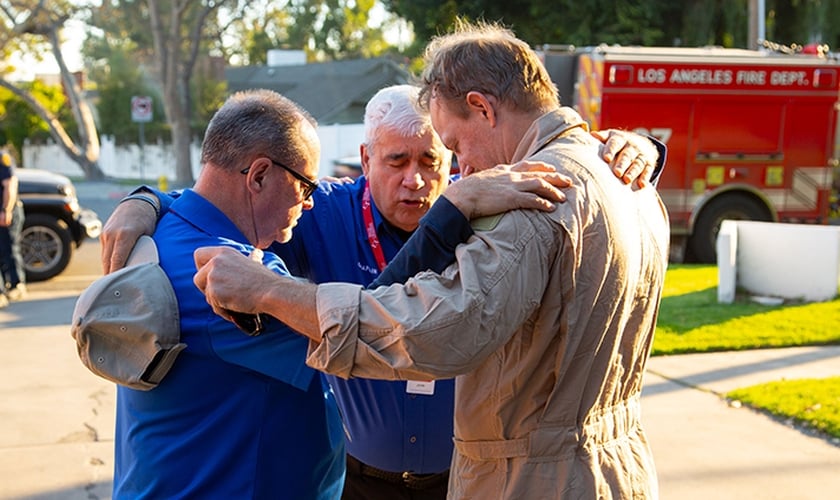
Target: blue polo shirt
236	416
387	427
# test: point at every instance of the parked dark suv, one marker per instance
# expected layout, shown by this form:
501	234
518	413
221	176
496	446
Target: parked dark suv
55	224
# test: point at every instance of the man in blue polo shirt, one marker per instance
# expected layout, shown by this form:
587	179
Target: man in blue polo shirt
234	417
399	434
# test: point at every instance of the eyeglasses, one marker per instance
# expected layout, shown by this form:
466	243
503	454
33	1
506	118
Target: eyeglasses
251	324
309	186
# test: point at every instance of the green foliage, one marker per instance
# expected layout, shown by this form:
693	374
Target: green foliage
691	319
640	22
118	78
428	18
209	95
334	29
540	22
814	403
260	26
19	123
120	55
804	21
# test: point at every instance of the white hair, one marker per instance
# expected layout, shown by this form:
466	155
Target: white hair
395	108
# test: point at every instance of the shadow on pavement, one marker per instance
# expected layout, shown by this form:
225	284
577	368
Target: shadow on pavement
703	379
38	313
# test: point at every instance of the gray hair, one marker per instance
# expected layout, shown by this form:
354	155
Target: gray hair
255	123
395	108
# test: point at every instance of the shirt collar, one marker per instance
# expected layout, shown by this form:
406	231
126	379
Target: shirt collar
202	214
545	129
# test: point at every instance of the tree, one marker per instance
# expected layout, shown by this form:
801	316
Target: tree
119	77
803	21
171	35
324	29
20	123
644	22
37	29
541	22
262	26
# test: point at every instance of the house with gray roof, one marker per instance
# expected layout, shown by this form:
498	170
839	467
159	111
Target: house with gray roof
333	92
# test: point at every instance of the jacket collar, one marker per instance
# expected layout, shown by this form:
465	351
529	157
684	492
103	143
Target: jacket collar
546	129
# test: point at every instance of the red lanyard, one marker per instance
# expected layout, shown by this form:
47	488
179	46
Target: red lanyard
373	239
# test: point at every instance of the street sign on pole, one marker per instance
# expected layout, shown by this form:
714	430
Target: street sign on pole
141	112
141	109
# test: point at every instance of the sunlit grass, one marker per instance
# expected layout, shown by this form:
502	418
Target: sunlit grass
814	403
691	320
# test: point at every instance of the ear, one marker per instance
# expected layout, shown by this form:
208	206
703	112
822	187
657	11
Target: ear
257	173
483	105
365	156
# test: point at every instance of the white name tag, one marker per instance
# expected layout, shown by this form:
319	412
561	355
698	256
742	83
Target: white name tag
426	387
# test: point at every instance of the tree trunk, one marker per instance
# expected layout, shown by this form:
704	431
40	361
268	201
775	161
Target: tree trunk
91	169
85	151
182	142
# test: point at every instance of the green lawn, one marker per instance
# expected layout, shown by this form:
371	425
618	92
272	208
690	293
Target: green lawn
814	403
691	320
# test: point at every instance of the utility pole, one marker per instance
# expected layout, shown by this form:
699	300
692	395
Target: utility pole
757	16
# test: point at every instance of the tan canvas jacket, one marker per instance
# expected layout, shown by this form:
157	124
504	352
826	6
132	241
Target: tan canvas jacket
547	320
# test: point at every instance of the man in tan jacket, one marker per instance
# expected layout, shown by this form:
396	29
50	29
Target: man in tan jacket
546	318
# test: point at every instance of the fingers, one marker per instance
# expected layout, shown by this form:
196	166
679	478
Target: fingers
105	251
541	193
615	144
226	258
540	190
203	255
643	179
558	180
541	198
544	199
633	170
531	166
116	246
130	220
541	172
116	255
638	172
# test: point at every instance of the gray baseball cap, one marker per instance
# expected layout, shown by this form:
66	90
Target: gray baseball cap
126	324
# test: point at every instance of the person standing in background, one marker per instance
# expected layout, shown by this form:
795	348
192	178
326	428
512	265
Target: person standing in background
11	225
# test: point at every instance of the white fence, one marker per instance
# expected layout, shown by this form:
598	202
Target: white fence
155	160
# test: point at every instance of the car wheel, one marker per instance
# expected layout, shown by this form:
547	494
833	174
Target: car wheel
45	246
703	242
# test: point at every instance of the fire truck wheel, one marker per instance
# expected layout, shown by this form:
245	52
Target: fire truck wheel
702	243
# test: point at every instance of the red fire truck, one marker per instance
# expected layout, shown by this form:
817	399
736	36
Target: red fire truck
750	134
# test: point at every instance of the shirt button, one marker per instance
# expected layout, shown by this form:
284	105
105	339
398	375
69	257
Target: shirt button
412	439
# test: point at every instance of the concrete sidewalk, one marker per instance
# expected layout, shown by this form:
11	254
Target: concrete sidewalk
706	449
56	441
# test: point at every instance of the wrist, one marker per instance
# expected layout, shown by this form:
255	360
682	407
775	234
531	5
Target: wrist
150	199
460	199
